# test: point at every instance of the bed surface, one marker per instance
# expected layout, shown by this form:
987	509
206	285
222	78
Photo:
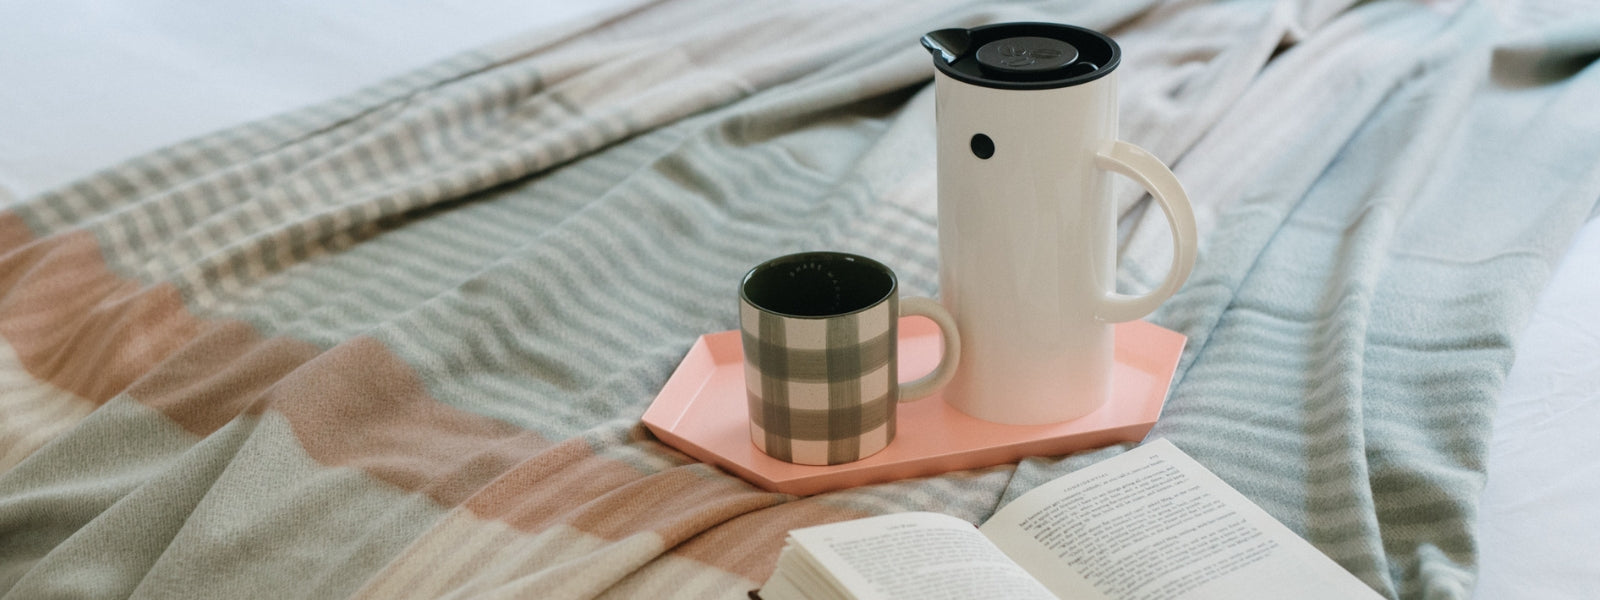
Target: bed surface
84	87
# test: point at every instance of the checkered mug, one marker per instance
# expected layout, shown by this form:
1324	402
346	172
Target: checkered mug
820	355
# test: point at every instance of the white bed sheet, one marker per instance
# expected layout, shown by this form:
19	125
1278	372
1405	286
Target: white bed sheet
1540	531
86	84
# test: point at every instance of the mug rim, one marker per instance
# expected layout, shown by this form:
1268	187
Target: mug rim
744	283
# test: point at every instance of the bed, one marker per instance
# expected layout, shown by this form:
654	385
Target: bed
368	300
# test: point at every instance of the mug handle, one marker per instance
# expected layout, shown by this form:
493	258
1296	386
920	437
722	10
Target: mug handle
941	374
1143	167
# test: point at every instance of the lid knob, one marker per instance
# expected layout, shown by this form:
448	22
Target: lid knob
1027	56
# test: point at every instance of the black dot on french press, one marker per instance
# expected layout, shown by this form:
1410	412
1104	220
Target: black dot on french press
982	146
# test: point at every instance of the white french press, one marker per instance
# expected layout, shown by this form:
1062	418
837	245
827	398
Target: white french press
1027	133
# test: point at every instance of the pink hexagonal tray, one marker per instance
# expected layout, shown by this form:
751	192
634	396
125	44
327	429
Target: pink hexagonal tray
701	411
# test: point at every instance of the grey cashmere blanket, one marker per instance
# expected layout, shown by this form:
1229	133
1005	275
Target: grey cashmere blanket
398	345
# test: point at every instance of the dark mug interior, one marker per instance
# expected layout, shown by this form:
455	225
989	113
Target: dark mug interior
817	284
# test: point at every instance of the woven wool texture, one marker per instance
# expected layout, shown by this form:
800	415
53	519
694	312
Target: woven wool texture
397	345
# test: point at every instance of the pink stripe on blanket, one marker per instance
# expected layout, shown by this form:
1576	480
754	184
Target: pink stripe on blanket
76	324
79	326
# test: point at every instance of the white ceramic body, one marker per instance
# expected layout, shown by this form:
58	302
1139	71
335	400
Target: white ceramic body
1027	245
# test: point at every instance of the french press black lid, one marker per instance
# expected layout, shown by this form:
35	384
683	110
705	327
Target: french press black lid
1023	56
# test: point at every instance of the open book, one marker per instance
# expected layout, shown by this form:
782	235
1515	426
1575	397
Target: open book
1150	524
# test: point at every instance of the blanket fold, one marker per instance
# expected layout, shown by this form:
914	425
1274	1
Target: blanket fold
397	345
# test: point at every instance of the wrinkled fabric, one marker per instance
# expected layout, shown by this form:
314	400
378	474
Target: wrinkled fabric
398	345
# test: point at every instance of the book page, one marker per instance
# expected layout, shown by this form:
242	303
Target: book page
1153	524
914	556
